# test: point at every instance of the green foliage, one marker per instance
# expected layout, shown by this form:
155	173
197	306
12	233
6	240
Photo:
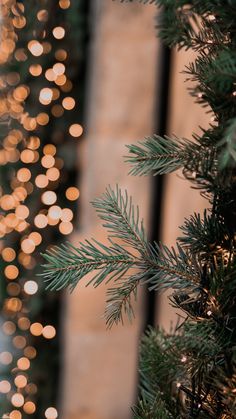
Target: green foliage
228	144
121	218
67	264
128	264
156	154
226	384
203	234
160	367
214	76
189	373
151	408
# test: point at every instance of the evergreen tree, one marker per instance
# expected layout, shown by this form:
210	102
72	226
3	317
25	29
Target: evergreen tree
190	373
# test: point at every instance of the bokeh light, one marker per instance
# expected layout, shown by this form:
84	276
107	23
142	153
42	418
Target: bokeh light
58	32
68	103
5	386
49	332
6	358
20	381
76	130
72	193
23	363
36	329
30	287
35	70
29	408
38	108
17	400
8	254
51	413
35	48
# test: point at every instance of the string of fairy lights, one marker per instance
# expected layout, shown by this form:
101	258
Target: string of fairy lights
32	97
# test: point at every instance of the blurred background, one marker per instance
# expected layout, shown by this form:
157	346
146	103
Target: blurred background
79	80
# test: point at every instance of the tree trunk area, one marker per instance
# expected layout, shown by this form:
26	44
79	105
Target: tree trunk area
99	379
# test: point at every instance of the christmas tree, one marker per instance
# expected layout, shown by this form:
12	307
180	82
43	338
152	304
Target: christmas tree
191	372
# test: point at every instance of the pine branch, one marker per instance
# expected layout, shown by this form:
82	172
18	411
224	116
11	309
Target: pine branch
156	154
203	234
68	264
169	361
169	269
119	299
205	338
121	218
160	269
201	168
151	408
189	24
158	266
161	369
